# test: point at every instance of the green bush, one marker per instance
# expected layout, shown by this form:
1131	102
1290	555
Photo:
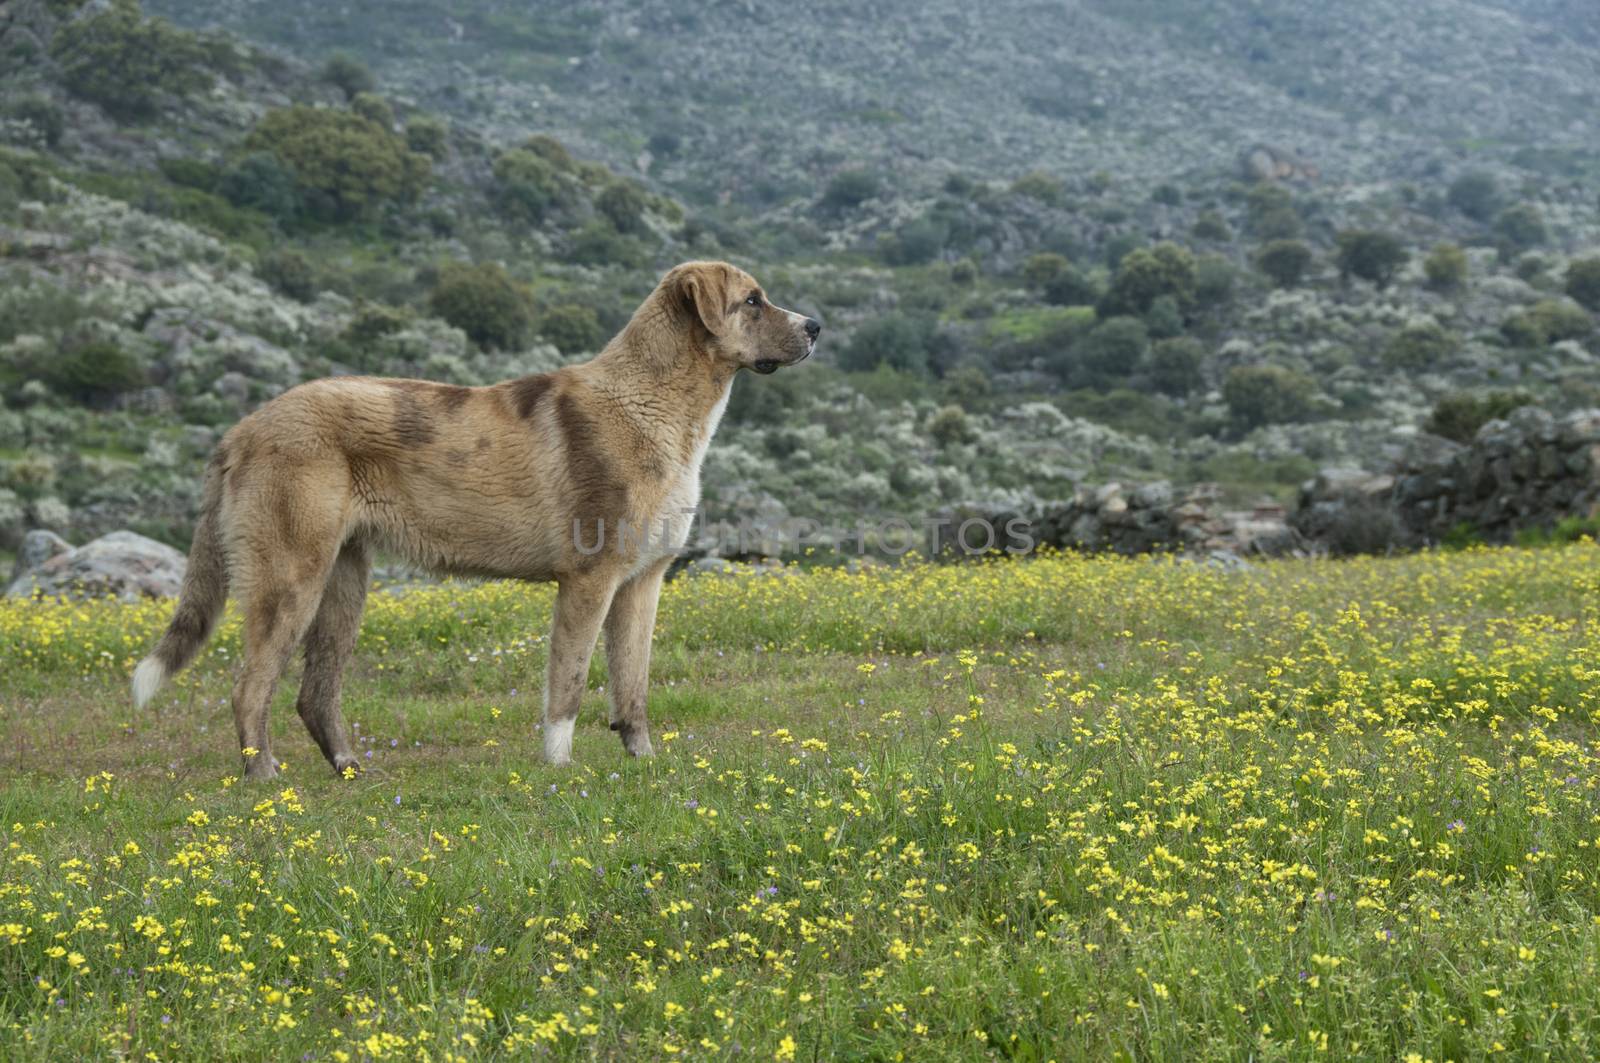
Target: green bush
125	62
290	273
950	426
43	115
1545	322
1040	186
1477	195
94	371
573	328
1370	255
1583	282
1039	270
1271	213
622	204
1113	350
1284	262
260	182
373	108
1211	228
350	74
527	185
897	340
1446	267
484	302
1145	275
428	136
599	244
1267	394
848	189
1420	345
1176	365
1459	416
1520	227
345	165
1213	282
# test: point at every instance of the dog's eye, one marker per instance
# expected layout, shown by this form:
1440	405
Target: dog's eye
753	300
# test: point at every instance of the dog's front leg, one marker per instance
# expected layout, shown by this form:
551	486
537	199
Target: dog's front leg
581	606
629	626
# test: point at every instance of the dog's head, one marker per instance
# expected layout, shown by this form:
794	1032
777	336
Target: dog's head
740	326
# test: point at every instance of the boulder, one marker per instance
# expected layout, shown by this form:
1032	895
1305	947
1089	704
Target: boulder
123	565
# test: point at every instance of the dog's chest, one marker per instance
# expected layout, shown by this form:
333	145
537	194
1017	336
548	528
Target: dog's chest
674	517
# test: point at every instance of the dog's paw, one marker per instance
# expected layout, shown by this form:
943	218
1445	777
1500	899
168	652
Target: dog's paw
346	767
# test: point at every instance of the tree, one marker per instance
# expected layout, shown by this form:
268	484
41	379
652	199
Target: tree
428	136
1420	345
1175	365
1146	274
260	182
1271	213
1284	262
527	185
1211	228
1459	416
897	340
1040	186
1370	255
1446	267
1112	350
1476	195
125	62
344	164
573	328
1583	281
622	204
1267	394
94	371
43	116
1521	227
849	189
348	73
484	302
1545	322
1039	270
373	108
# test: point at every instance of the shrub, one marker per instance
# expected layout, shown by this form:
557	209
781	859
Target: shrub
967	386
1446	267
428	136
260	182
1420	345
572	328
1583	282
1372	256
527	185
1112	350
1459	416
484	302
125	62
1545	322
1267	394
94	371
1520	227
1271	213
1476	195
1213	281
1210	227
919	241
950	426
1364	526
1175	365
1284	262
1040	186
290	273
849	189
897	340
345	165
350	74
43	116
1144	275
373	108
599	244
622	204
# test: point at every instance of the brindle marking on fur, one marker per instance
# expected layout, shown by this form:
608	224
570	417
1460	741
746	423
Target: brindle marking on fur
601	501
413	427
528	391
452	396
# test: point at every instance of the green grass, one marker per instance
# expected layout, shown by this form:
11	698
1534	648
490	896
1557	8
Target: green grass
1066	808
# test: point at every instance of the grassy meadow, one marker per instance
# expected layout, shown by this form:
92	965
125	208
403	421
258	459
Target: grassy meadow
1050	809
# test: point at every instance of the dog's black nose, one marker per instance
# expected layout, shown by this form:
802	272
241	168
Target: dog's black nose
813	327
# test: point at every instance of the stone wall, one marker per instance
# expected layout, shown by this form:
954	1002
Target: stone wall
1530	470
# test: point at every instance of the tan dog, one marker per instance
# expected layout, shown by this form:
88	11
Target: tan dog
586	476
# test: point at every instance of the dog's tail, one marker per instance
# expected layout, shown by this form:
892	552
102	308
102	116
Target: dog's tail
205	591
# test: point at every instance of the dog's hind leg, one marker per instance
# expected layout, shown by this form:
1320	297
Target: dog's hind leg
629	626
330	642
581	605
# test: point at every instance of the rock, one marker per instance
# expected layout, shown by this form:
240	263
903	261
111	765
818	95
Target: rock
38	546
122	564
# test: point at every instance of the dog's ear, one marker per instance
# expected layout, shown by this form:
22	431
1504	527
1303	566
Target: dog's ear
704	289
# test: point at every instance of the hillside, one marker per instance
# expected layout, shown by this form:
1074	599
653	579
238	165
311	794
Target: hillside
1050	249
